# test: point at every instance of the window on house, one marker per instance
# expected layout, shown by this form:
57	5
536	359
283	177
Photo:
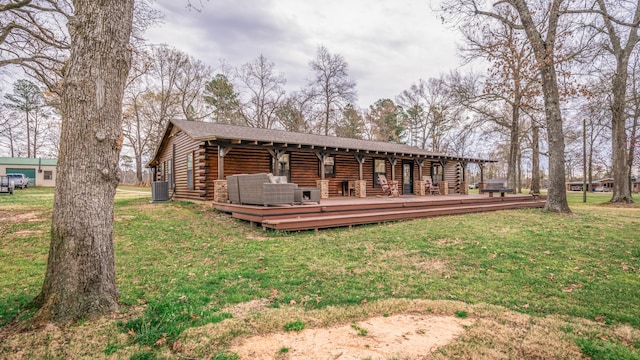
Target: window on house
48	175
285	166
379	168
436	173
161	177
190	170
330	166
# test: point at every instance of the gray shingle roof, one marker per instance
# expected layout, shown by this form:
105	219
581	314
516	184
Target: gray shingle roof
203	131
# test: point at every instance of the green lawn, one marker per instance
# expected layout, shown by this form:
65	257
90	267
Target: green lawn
184	264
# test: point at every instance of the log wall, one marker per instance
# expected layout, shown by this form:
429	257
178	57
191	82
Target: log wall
304	168
183	146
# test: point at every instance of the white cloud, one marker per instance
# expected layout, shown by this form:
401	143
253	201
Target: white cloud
388	44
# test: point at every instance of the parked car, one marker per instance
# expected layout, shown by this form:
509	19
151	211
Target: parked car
473	186
6	185
19	180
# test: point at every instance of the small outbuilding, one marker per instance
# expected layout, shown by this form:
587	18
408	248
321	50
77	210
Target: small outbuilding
41	172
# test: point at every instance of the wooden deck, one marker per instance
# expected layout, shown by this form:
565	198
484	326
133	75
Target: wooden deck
348	211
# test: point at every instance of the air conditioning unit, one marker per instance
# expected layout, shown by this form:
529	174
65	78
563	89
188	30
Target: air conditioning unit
159	191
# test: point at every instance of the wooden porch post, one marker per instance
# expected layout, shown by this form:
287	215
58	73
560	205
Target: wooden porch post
222	152
322	184
275	155
482	184
420	163
419	188
361	184
322	157
220	189
393	161
464	186
444	184
360	159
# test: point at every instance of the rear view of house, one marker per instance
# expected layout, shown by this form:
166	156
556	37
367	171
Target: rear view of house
195	158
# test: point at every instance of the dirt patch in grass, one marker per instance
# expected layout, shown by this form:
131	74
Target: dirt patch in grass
242	310
13	217
403	336
397	328
448	242
25	233
124	217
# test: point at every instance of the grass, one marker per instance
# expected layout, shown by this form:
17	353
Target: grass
184	266
294	326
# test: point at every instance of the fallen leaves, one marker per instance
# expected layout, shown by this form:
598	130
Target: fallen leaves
161	340
571	288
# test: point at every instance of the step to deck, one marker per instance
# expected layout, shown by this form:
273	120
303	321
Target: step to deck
324	221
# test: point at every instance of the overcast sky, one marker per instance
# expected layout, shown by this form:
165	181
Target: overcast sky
388	44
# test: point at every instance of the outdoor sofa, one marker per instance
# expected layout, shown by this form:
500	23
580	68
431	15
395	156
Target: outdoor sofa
260	189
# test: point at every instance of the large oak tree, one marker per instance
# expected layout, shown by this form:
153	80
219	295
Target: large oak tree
540	21
80	277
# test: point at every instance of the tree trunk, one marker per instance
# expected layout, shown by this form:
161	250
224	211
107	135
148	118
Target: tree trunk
621	188
514	146
633	139
519	166
28	135
535	160
80	278
138	169
544	53
557	195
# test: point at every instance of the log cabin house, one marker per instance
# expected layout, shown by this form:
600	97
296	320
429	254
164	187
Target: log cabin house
196	157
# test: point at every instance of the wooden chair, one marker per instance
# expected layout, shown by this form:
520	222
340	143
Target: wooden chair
430	187
388	188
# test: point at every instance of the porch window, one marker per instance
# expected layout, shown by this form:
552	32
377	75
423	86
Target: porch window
379	168
330	166
285	166
190	170
162	176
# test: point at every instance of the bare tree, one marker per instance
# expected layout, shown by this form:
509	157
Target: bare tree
34	36
331	85
597	118
619	23
191	88
294	111
432	112
413	103
8	129
261	92
540	22
163	85
512	78
634	115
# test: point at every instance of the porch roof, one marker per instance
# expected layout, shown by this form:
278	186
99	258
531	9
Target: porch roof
242	135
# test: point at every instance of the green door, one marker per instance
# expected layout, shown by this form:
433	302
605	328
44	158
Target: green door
30	173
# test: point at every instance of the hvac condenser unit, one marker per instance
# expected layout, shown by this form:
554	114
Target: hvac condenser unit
159	191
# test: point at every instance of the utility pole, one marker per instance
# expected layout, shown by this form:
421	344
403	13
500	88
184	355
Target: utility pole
584	160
